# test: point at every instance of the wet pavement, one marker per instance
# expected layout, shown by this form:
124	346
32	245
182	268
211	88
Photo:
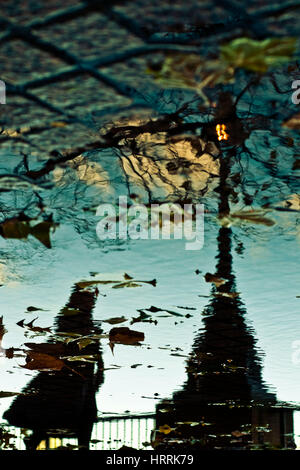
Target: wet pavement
146	343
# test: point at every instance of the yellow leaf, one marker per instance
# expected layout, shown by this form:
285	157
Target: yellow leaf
58	124
165	429
257	56
83	343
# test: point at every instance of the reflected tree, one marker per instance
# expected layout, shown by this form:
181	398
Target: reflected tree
62	403
224	402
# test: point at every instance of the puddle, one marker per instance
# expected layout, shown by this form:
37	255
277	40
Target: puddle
143	341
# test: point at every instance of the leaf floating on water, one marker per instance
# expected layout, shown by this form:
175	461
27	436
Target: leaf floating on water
171	312
34	309
292	203
153	309
253	216
217	281
129	282
165	429
143	317
257	56
8	394
115	320
126	284
83	343
186	308
293	122
21	227
123	335
29	325
127	277
58	124
41	361
83	358
41	232
189	423
55	349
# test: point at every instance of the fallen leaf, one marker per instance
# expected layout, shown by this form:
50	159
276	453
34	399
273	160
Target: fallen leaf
186	308
37	329
115	320
21	227
126	284
8	394
83	358
40	361
55	349
165	429
171	312
123	335
293	122
143	317
34	309
117	284
217	281
127	277
253	216
58	124
257	55
83	343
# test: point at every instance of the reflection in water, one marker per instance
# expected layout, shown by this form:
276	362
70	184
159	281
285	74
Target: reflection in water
62	403
224	402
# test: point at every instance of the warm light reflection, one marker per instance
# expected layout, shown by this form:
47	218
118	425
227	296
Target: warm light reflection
221	131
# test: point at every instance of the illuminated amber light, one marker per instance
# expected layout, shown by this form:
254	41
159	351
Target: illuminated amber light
221	131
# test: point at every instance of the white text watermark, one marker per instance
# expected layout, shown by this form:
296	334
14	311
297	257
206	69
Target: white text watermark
154	221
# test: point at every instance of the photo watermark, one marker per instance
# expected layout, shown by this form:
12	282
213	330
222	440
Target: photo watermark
296	95
154	221
2	92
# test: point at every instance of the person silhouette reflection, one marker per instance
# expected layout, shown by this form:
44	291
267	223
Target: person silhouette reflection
62	403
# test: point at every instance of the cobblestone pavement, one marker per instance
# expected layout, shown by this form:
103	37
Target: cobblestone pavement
66	66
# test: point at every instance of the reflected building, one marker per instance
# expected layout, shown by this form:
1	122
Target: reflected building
61	403
224	403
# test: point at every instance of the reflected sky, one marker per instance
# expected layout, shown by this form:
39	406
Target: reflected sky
265	273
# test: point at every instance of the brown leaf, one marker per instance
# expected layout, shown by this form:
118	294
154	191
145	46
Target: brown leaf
83	358
127	277
255	217
123	335
20	228
83	343
40	361
41	232
8	394
15	228
293	122
217	281
55	349
126	284
34	309
29	325
115	320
